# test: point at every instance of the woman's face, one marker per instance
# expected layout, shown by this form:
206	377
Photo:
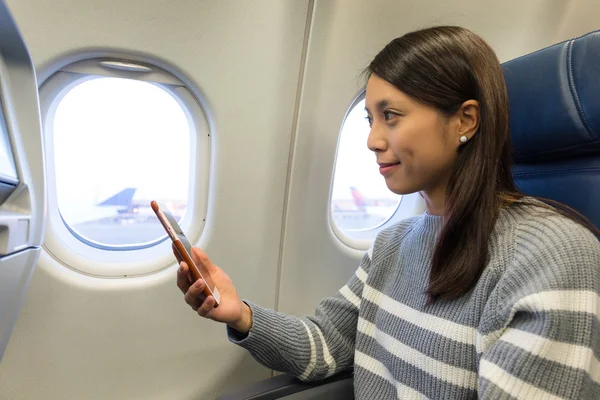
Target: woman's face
415	145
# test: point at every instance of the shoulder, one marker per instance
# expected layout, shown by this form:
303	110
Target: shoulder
545	262
543	231
550	251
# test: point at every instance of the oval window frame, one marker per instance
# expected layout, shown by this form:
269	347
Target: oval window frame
123	261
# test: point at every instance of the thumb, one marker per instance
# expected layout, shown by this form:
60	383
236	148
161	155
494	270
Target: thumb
200	258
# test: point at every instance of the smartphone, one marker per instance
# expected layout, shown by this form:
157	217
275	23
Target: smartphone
184	248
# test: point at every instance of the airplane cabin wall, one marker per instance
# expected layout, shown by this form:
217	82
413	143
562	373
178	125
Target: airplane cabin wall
82	337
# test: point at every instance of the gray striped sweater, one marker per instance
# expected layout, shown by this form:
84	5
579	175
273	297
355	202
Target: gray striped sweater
529	329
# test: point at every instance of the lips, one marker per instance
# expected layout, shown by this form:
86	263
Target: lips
387	168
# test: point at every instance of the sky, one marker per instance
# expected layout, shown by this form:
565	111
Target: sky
110	134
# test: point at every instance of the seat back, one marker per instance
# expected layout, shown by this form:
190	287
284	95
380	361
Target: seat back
554	96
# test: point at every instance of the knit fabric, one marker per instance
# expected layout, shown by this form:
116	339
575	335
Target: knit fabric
529	328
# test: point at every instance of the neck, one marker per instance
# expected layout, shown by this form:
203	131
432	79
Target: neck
435	201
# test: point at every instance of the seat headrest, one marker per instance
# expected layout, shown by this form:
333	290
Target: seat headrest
554	96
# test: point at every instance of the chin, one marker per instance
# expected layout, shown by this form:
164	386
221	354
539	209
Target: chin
402	189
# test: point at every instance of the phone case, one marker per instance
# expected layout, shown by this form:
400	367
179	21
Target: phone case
184	248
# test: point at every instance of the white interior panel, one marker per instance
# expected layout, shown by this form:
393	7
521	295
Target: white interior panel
15	275
87	338
23	198
345	36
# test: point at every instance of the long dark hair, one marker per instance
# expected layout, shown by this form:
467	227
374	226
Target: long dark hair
443	67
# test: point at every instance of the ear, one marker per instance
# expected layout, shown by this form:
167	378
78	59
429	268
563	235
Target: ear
467	119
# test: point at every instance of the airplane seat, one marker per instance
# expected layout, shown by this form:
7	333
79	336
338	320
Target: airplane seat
554	96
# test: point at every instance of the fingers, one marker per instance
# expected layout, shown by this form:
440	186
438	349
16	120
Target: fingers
183	278
196	298
205	308
195	295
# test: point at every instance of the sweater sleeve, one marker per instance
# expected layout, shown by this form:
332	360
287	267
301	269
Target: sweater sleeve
310	348
549	347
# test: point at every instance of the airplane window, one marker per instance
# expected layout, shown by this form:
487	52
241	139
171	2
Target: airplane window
118	144
360	201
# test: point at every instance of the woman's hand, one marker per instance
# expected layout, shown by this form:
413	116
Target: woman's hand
231	310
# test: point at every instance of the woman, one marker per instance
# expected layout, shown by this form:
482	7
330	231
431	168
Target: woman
488	294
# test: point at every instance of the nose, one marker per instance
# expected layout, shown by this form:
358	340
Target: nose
376	141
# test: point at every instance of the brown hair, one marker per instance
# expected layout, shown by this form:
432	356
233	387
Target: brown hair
443	67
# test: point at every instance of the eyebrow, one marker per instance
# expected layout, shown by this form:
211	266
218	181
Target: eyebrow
382	104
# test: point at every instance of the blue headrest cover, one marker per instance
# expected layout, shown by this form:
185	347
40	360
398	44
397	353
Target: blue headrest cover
554	96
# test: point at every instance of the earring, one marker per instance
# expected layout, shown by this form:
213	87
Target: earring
463	139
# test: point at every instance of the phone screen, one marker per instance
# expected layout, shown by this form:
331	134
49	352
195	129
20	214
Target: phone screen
176	234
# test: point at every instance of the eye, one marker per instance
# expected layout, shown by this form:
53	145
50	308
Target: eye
388	115
369	120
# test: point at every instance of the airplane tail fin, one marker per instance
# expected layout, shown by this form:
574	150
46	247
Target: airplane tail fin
123	198
359	199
